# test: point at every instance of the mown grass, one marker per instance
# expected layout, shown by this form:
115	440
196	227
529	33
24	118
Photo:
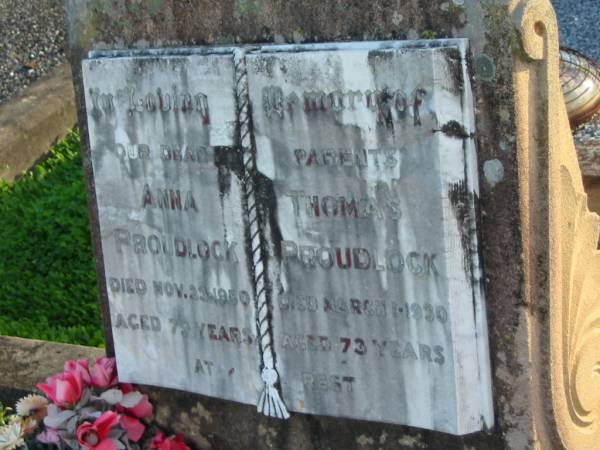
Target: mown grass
47	275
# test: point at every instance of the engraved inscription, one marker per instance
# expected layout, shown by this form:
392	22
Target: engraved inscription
101	103
391	259
330	157
168	199
203	156
163	101
170	289
204	367
141	322
362	347
384	206
388	105
427	312
105	103
326	382
180	247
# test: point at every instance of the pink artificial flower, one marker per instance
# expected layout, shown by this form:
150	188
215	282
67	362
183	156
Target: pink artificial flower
94	436
63	389
161	442
143	409
81	368
135	429
103	374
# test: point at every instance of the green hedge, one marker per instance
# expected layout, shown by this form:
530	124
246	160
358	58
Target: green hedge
47	276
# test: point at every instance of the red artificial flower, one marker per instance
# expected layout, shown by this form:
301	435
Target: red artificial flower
103	374
161	442
80	367
63	389
143	409
135	429
94	436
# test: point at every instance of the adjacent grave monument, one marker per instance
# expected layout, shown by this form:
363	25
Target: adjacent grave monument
300	227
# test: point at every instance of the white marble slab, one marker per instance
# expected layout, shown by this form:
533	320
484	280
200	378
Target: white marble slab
378	313
166	173
366	193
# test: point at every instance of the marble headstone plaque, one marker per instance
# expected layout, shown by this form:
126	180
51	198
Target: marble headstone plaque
377	305
166	173
294	226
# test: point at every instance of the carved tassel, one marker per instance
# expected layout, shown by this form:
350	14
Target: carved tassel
269	402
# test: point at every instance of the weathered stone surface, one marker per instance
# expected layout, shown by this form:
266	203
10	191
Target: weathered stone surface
26	362
366	168
518	321
370	153
167	178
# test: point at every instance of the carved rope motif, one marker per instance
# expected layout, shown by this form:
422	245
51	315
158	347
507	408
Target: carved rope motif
560	234
269	402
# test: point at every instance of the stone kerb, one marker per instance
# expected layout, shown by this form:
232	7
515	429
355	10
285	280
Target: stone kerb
33	120
26	362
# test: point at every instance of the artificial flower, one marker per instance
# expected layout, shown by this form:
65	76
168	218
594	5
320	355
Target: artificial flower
141	409
63	389
81	368
28	425
161	442
11	435
49	436
103	374
94	436
89	410
57	417
134	428
31	404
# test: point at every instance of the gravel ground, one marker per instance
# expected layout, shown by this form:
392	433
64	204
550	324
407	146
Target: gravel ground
32	42
580	29
590	132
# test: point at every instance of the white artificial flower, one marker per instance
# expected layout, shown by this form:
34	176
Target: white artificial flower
11	435
29	404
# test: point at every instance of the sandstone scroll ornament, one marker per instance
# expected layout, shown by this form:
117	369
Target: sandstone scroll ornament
269	402
560	241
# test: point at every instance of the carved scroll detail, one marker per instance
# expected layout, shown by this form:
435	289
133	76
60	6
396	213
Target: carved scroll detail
580	309
560	234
